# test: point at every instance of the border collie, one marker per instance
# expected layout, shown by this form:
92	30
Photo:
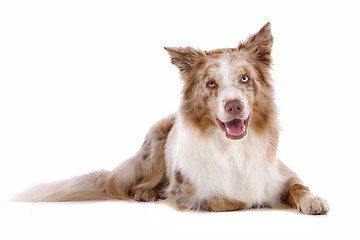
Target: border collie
217	153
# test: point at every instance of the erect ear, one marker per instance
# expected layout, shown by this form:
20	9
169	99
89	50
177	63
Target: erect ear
260	44
184	58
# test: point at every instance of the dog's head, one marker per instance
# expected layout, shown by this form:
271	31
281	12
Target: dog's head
231	88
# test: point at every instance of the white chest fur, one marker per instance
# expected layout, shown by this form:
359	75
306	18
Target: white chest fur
217	166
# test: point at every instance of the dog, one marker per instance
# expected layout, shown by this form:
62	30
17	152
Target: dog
217	153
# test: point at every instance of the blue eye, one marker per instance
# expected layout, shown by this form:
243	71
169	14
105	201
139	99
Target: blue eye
244	79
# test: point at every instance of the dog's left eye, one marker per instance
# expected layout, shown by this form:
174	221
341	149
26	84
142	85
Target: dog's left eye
211	84
244	79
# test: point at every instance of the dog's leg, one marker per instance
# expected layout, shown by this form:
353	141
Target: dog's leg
143	177
299	196
218	204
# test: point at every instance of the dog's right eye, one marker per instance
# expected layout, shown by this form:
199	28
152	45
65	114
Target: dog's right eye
244	79
211	84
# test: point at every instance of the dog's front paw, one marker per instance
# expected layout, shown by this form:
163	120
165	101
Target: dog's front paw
313	205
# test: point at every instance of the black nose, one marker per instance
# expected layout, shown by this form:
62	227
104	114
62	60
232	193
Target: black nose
234	107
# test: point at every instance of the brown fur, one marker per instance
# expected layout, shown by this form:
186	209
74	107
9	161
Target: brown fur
149	171
260	45
194	66
295	192
181	191
217	204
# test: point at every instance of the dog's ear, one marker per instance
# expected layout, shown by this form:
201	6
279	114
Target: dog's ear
184	58
260	44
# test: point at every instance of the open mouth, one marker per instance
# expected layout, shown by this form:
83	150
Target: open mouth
234	129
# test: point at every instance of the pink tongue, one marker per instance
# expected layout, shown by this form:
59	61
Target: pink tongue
235	127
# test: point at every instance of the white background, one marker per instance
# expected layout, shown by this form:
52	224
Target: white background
82	81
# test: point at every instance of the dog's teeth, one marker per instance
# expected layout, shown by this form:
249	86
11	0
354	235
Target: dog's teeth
227	129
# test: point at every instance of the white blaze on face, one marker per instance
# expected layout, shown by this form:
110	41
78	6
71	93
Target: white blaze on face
229	88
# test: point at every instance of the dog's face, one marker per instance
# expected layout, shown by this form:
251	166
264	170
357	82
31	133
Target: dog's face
230	83
228	88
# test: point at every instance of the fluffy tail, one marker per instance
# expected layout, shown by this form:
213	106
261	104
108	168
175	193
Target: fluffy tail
99	185
90	186
142	173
